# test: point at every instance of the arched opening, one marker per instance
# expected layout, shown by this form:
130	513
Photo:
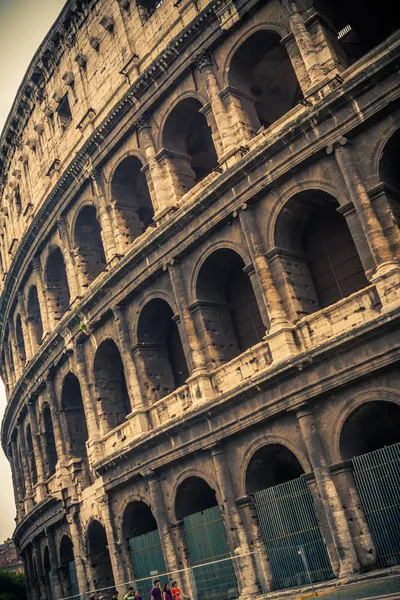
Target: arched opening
142	539
111	386
231	320
131	196
34	315
71	400
188	141
286	517
89	244
161	350
68	568
31	455
20	340
370	437
389	192
47	575
263	75
49	441
57	284
314	240
99	557
371	426
196	504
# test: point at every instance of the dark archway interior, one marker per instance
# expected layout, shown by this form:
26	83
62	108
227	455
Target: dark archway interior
57	284
231	318
71	400
138	520
261	69
130	192
66	558
89	244
34	314
31	455
111	385
389	173
99	556
188	139
50	444
194	495
20	340
161	349
271	465
46	560
371	426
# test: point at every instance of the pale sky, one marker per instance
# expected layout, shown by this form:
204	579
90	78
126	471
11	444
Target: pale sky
23	25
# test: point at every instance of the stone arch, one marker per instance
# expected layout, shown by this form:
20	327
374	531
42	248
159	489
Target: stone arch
187	139
67	567
183	95
130	196
57	283
262	73
388	193
34	314
99	556
31	455
160	349
20	339
271	465
269	440
113	397
378	150
313	242
229	318
88	243
376	413
193	495
50	442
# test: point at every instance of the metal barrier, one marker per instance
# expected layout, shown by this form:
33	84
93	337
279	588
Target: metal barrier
377	477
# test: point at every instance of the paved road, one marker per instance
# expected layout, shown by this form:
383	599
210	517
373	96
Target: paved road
389	587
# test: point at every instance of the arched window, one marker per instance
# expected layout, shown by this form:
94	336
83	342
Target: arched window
130	194
271	465
89	244
161	350
231	321
188	141
314	244
34	315
263	75
50	443
109	374
388	202
57	284
31	455
68	568
20	340
99	557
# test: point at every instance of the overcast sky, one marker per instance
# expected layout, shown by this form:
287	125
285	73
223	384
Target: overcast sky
23	25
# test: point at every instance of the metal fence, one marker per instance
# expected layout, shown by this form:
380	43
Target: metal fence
377	477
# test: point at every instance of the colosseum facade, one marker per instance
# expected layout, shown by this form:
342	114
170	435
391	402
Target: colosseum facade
200	295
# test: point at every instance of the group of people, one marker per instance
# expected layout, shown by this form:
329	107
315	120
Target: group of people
168	592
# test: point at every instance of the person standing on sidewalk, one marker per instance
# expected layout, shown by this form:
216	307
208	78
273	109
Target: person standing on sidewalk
130	595
156	592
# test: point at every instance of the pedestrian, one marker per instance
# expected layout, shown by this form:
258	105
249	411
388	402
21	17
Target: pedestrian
115	595
156	592
137	597
130	595
176	592
167	595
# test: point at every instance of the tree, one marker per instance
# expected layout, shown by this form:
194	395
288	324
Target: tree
12	586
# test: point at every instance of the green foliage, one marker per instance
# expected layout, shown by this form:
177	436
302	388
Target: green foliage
12	586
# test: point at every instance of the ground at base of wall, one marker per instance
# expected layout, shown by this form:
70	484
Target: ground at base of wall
384	584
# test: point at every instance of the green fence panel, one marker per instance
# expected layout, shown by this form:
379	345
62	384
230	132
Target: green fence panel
213	570
292	536
377	477
148	561
73	579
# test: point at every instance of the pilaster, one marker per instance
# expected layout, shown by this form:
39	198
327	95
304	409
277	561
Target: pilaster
72	276
103	210
44	315
41	479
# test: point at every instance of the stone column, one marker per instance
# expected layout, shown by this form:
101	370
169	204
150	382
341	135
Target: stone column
329	496
13	342
37	451
103	210
161	199
44	315
304	42
54	564
234	523
70	269
118	565
28	500
28	565
40	571
246	507
132	379
10	373
79	553
204	63
95	451
61	450
15	473
280	333
25	329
